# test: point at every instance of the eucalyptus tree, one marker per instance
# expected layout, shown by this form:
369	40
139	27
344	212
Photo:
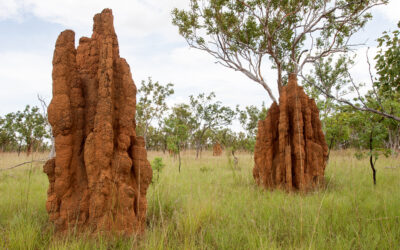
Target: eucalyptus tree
178	134
249	117
30	127
370	133
333	79
152	104
7	132
207	116
245	34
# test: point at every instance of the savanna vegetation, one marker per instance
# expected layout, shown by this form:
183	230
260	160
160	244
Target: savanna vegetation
210	205
200	201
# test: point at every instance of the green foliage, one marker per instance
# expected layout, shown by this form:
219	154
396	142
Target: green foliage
240	34
177	131
151	105
208	116
249	118
388	62
7	133
24	128
177	134
338	129
332	78
157	165
205	169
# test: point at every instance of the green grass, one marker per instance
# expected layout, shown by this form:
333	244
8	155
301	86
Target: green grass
210	206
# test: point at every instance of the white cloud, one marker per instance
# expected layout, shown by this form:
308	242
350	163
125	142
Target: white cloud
149	42
23	76
136	18
8	9
391	10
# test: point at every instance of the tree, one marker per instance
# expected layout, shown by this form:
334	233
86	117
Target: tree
7	133
240	34
371	133
337	128
30	126
249	118
152	104
207	115
384	93
157	165
388	62
177	135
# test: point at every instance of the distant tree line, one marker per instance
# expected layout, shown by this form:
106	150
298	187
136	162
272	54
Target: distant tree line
368	120
24	131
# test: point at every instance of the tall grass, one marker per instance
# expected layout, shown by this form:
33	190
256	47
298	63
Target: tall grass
209	205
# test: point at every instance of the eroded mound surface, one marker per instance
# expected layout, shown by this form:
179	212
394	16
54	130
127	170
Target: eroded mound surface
217	149
290	151
100	175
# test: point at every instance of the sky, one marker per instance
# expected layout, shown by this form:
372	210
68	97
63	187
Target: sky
150	43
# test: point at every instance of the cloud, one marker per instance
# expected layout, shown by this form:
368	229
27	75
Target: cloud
23	76
390	11
8	9
149	42
136	18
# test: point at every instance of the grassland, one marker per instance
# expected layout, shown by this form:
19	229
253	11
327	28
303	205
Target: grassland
210	206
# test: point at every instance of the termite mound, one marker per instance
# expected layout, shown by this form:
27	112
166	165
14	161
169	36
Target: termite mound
100	174
291	151
217	149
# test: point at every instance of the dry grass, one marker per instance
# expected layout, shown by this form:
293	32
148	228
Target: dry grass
8	160
209	205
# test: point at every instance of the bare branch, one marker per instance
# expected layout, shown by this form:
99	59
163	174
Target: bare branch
21	164
344	101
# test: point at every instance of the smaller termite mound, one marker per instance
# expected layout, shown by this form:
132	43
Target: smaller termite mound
217	149
291	151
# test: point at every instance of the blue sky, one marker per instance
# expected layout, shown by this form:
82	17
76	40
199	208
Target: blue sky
151	45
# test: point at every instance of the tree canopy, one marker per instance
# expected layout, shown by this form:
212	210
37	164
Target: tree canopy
241	34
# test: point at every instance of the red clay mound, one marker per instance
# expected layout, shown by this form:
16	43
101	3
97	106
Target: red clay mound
290	151
217	149
100	175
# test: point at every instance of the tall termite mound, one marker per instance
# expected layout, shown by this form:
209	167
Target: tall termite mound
100	174
290	150
217	149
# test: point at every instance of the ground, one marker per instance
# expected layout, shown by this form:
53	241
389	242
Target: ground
210	205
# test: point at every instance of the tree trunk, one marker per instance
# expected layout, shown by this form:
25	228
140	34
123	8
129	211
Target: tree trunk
371	162
179	157
197	150
279	81
19	147
28	149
